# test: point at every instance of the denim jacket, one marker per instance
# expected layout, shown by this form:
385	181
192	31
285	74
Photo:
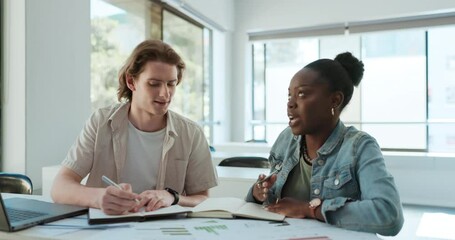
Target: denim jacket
349	175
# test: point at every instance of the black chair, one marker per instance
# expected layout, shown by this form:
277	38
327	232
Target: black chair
251	162
15	183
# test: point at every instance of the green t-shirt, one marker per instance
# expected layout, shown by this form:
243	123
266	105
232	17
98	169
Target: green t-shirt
297	185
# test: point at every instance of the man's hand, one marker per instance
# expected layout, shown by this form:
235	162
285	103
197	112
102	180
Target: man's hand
116	201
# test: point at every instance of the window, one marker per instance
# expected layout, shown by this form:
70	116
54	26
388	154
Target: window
189	40
274	65
117	27
394	88
406	99
441	89
258	93
116	30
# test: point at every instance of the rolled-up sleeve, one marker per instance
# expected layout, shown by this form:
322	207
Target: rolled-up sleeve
201	174
80	157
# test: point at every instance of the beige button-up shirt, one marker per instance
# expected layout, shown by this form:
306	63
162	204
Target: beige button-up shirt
186	164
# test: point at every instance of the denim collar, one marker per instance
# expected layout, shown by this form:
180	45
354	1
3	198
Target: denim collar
334	139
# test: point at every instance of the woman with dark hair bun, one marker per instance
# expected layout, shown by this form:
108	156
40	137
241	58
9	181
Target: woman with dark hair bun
327	171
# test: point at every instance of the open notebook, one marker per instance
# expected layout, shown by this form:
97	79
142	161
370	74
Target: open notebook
228	207
97	216
212	207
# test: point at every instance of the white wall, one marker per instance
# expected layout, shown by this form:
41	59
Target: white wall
219	11
55	79
13	95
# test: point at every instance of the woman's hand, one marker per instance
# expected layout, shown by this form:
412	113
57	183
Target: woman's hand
290	208
116	201
261	188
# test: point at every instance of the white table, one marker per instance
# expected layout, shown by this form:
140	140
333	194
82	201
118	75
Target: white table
183	228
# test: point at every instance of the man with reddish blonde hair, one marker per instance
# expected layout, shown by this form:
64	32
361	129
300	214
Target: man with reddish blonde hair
160	157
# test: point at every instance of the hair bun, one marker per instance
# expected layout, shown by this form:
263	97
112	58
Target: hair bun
352	65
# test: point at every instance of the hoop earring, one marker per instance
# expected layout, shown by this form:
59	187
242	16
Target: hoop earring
333	112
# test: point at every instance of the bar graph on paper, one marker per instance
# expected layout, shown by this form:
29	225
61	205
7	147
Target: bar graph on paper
175	231
213	229
205	230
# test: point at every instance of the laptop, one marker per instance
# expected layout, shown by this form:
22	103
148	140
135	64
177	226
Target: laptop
20	213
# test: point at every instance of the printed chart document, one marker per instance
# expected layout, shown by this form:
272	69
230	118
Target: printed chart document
96	216
231	208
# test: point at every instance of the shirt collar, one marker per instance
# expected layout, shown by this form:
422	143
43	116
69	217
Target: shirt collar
170	128
119	118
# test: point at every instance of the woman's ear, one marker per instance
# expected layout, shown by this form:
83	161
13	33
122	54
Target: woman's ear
337	99
130	82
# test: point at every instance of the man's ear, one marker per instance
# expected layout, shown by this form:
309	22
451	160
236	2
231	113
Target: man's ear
130	82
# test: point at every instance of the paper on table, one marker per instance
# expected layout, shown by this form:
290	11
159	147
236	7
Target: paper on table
67	226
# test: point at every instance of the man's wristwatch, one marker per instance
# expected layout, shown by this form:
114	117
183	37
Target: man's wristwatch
314	204
175	194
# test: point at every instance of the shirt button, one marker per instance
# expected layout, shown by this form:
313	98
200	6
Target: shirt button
336	182
321	162
316	191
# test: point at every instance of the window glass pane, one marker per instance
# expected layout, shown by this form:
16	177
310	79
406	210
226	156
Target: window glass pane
394	87
273	130
283	59
441	138
258	90
259	133
394	77
396	136
441	88
258	81
207	87
187	40
116	30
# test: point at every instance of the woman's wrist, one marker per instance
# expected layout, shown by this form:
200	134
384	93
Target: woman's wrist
318	214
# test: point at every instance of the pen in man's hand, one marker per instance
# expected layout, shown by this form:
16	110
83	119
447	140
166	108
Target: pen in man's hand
112	183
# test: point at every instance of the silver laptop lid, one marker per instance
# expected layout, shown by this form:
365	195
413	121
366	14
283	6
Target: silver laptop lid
33	212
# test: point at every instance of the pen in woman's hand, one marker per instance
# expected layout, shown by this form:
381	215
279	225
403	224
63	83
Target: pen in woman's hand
275	171
112	183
